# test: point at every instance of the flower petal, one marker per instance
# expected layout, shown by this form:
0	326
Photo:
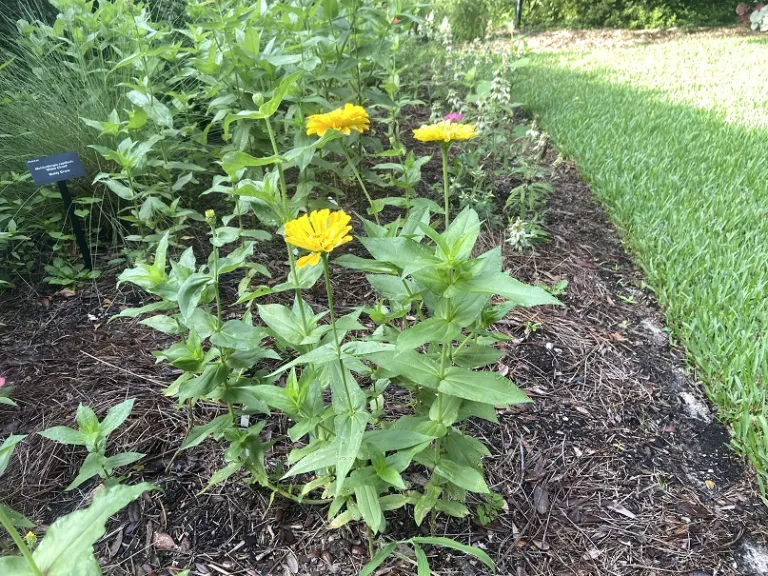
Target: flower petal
308	260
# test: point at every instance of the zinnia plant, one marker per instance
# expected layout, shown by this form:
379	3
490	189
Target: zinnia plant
445	132
430	334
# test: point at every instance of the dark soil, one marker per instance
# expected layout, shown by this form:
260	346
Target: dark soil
618	466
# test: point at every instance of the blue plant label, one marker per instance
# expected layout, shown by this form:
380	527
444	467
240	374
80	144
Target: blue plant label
55	168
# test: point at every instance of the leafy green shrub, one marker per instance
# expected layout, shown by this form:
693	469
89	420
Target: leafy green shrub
625	13
142	93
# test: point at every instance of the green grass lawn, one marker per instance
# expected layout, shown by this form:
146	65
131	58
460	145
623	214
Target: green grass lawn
673	138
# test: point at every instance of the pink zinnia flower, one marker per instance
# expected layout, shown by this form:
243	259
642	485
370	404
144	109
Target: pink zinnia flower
454	117
2	381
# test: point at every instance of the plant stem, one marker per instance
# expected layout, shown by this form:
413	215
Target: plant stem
286	217
444	149
216	279
297	499
462	343
370	540
362	185
332	313
295	272
14	534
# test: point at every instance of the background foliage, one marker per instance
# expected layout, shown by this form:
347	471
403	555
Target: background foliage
626	13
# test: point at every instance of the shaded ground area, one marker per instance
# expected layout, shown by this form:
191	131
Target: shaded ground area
616	468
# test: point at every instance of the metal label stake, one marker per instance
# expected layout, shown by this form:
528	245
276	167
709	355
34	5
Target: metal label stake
59	168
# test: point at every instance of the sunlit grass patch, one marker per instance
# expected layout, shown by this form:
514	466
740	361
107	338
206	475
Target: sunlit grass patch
674	139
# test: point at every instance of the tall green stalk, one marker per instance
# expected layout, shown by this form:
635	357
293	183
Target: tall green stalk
362	184
286	217
211	219
11	529
444	150
332	313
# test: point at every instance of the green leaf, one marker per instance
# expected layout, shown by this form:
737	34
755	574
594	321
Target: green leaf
164	324
269	108
422	563
233	162
317	357
462	234
239	335
392	287
15	566
417	368
450	543
87	421
213	375
476	355
115	417
485	387
93	465
430	330
391	476
478	410
72	537
368	503
190	292
153	307
64	435
389	440
275	397
221	475
398	251
283	322
120	189
425	503
199	433
122	459
392	502
344	388
445	409
503	284
7	401
365	264
349	437
378	559
323	458
462	476
156	110
452	508
16	518
7	448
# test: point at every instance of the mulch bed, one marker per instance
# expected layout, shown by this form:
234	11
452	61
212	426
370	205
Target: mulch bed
618	467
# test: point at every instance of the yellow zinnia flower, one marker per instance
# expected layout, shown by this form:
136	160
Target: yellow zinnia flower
319	232
445	131
345	119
